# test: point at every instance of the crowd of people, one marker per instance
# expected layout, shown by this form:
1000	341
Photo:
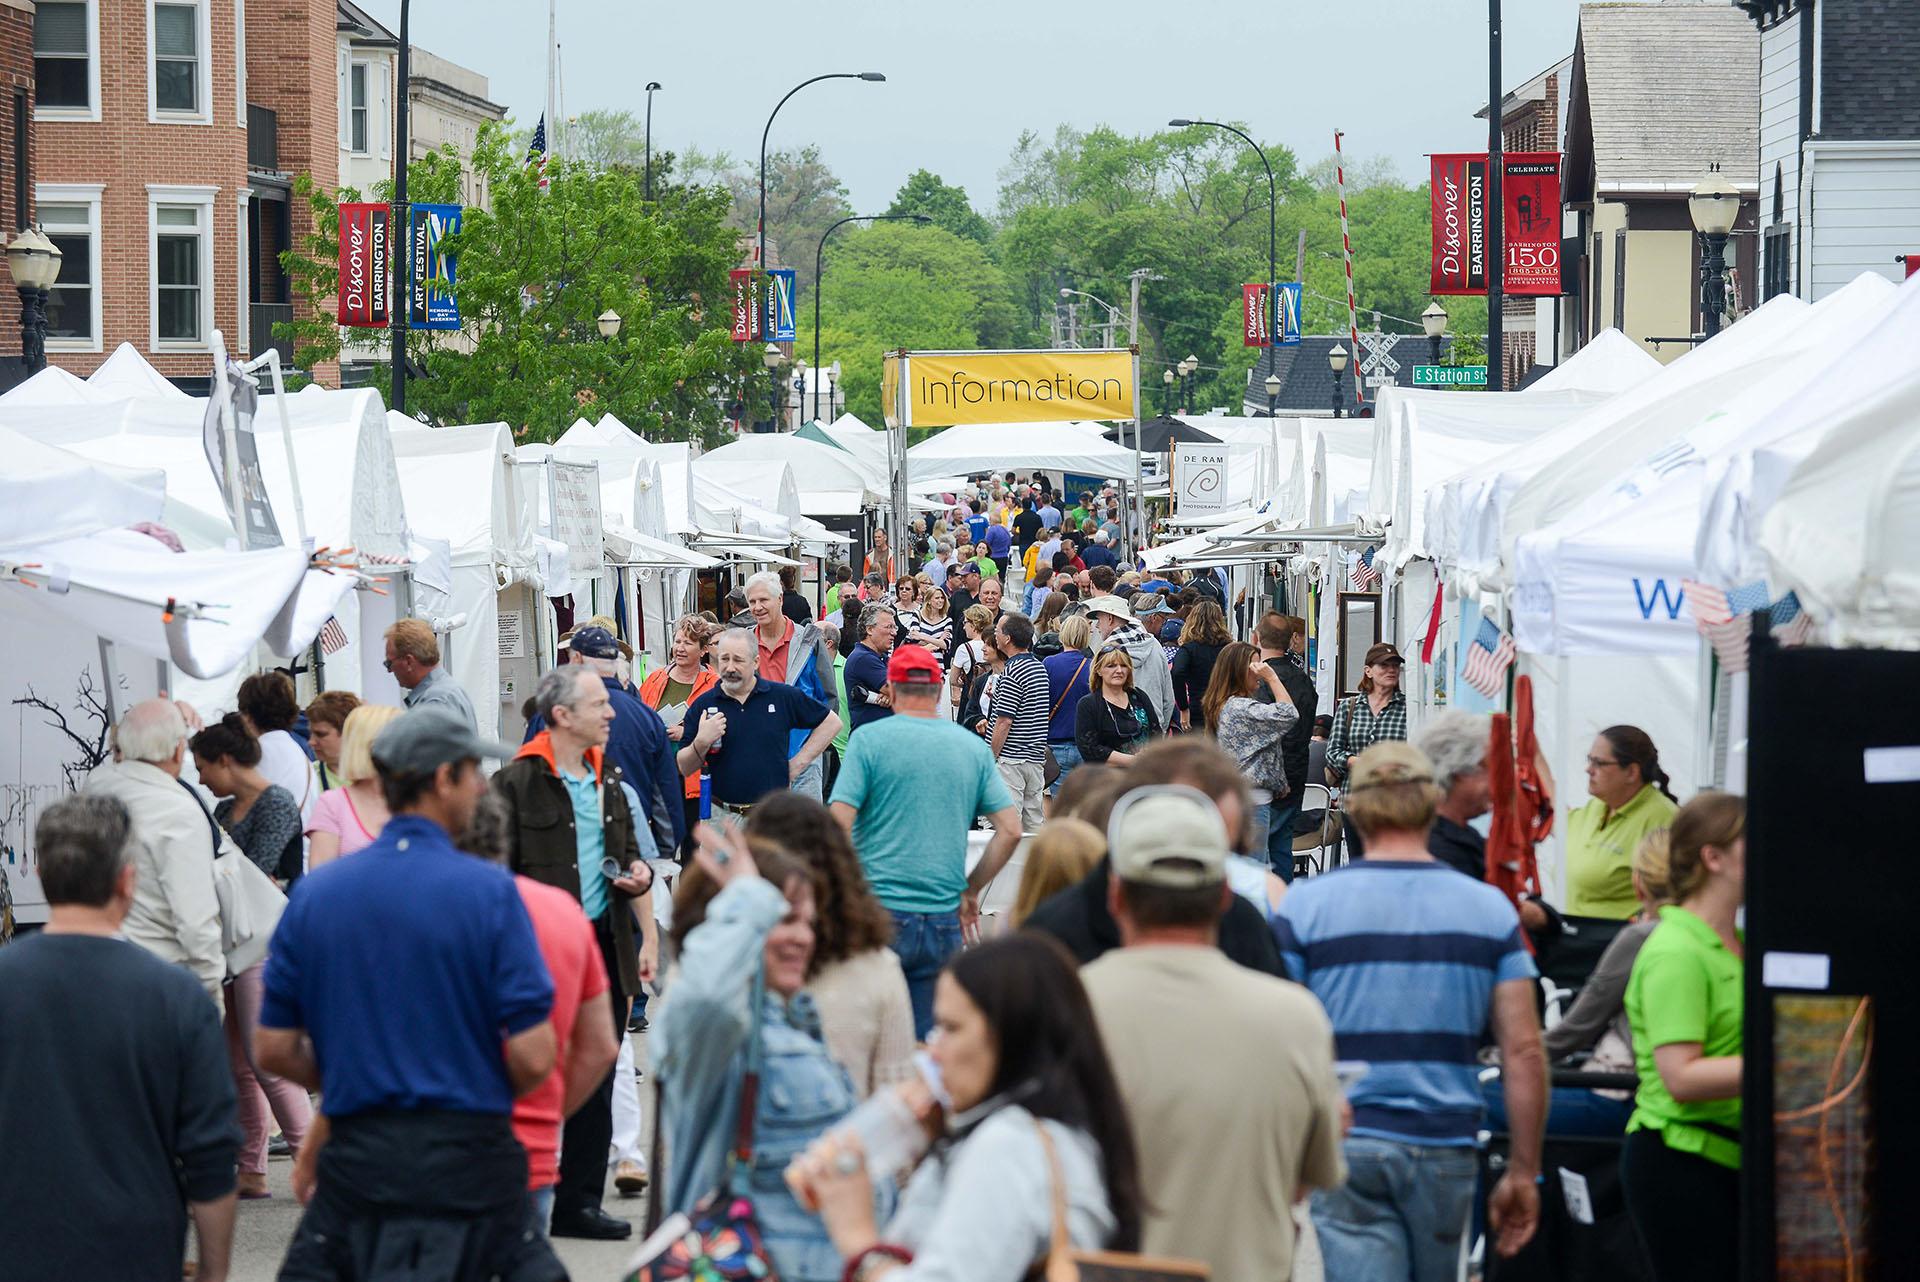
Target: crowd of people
426	958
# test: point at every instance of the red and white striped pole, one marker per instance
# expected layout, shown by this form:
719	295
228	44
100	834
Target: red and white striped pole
1346	245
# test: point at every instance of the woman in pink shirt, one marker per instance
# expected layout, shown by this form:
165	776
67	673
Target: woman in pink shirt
347	819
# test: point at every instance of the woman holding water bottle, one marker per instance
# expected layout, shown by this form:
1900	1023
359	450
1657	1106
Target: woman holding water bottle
1030	1105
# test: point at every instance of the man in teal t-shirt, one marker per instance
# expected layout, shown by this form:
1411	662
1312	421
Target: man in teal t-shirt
909	790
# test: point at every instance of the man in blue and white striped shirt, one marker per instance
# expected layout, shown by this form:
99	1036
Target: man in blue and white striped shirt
1020	719
1412	962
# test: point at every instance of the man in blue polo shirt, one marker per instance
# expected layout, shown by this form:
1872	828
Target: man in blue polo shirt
868	698
406	985
742	725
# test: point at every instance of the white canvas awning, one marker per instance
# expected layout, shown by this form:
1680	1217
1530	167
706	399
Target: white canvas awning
995	447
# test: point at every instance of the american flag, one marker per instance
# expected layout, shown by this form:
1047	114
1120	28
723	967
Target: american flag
1721	616
1488	659
537	151
333	637
1365	577
1791	624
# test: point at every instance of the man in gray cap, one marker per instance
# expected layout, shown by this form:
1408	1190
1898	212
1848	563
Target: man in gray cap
406	985
1223	1156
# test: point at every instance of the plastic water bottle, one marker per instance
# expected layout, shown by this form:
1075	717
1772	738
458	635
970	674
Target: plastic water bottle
892	1137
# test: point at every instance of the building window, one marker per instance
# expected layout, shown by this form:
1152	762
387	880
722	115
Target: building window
1776	261
358	112
179	254
62	54
177	39
73	304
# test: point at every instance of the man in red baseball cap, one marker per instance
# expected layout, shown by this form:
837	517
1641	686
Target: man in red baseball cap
910	787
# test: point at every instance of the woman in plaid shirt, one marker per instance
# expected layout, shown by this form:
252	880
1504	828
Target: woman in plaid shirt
1378	712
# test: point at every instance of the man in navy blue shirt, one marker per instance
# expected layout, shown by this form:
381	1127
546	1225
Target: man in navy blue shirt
741	728
869	697
405	984
1100	552
637	744
976	525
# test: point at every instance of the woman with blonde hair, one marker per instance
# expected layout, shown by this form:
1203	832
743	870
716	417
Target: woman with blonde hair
1680	1169
932	624
347	819
1114	721
967	655
1060	855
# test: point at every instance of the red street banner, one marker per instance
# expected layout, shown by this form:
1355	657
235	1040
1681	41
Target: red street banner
1253	312
1530	191
1459	225
746	316
363	265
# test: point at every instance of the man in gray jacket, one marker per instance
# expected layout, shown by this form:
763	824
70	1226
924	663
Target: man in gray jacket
1115	629
175	914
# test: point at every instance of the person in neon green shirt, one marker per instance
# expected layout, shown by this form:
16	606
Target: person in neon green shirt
1631	798
1680	1169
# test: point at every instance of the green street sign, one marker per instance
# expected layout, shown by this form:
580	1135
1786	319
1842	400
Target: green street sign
1449	375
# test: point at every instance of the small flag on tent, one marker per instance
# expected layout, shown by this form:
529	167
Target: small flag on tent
1791	624
1721	617
1488	659
537	151
1365	577
333	637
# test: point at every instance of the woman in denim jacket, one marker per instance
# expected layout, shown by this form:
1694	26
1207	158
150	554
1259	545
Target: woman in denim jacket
744	926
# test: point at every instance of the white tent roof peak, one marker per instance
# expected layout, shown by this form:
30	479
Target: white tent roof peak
53	386
126	373
1611	362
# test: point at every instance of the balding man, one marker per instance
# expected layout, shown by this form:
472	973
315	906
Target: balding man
174	914
743	725
413	656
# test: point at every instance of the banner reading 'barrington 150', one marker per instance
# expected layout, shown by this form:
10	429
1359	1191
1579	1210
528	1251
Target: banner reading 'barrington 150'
1530	197
949	388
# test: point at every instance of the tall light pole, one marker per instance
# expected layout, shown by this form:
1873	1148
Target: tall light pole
819	275
651	86
771	356
1337	362
397	229
1166	399
35	263
1273	393
1434	321
1188	372
1714	206
760	249
1273	207
1496	209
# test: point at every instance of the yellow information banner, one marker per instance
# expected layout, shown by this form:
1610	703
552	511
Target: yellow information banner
951	388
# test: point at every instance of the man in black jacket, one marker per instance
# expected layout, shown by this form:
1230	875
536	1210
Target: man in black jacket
1275	636
569	816
1080	917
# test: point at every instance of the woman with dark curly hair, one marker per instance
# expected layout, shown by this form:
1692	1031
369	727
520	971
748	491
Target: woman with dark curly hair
267	702
855	979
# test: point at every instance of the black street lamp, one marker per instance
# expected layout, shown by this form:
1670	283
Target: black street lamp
1273	394
1273	206
35	263
397	229
771	357
819	276
1337	362
1166	397
1188	368
1434	321
651	86
1714	206
760	253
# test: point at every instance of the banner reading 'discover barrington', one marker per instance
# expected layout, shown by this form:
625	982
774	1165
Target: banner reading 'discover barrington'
1253	315
746	315
1459	225
363	265
1530	191
1018	387
430	302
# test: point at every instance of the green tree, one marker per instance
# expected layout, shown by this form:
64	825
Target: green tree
927	193
804	198
534	271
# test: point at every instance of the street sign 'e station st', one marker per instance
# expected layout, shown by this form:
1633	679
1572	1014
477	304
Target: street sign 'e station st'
1449	375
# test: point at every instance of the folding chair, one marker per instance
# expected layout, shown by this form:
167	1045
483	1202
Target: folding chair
1312	850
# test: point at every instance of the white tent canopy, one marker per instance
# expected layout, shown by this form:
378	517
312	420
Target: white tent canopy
1606	578
458	483
832	481
52	386
49	493
127	374
995	447
1610	363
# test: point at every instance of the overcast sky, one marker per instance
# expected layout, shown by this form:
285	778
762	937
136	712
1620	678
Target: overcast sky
1402	77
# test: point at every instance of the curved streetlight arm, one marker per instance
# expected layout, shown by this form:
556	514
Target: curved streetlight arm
1273	209
760	252
818	259
1111	309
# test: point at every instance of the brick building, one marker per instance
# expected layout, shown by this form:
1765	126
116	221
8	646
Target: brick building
140	143
16	150
1530	118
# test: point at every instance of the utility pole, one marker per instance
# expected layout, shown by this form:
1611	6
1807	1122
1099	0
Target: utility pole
1496	208
397	225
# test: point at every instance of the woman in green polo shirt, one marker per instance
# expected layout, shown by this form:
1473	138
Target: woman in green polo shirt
1680	1170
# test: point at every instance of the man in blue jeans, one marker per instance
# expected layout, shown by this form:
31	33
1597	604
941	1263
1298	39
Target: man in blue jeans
909	790
1412	961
